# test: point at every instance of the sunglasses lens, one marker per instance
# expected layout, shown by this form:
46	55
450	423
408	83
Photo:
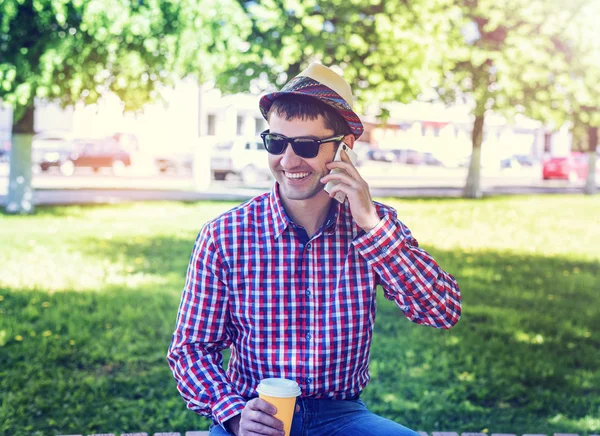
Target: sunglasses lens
274	144
305	147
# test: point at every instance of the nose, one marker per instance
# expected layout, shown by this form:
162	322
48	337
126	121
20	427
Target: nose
289	159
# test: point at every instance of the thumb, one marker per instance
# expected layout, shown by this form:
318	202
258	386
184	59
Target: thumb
297	408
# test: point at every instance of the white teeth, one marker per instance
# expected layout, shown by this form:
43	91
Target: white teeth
296	175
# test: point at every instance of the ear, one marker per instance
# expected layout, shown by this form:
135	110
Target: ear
349	140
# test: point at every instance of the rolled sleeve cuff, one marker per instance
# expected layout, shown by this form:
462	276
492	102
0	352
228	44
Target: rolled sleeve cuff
228	407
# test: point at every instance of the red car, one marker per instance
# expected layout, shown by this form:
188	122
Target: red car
573	167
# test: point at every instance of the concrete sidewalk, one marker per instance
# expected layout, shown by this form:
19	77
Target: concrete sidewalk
55	197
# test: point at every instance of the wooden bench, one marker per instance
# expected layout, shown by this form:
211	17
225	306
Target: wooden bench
422	433
187	433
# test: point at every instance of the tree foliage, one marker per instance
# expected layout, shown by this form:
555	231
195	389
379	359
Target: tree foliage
72	51
508	62
386	49
580	81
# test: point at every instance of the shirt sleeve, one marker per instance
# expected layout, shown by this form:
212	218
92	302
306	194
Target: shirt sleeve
200	335
409	275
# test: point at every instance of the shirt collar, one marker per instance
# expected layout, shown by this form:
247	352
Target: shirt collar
281	219
332	217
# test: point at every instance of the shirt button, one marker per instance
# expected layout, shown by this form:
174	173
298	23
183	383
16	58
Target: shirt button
308	336
308	380
309	246
308	292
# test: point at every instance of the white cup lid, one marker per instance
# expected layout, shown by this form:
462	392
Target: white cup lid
278	387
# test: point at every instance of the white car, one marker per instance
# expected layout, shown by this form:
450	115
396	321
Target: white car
51	149
245	158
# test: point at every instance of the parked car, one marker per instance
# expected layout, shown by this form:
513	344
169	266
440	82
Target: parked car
407	156
380	155
50	148
432	160
175	162
128	141
96	153
517	161
573	167
241	157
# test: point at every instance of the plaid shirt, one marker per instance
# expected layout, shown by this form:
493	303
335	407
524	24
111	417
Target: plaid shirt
294	307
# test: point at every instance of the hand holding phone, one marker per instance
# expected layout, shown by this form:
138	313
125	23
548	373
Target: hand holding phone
340	196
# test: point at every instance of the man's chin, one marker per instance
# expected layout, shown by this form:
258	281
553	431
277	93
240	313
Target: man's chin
297	193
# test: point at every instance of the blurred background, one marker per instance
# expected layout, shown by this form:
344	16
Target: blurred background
108	101
164	94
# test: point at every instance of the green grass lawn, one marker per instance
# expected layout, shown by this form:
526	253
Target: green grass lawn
89	295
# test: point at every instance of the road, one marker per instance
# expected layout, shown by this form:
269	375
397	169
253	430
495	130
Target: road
383	178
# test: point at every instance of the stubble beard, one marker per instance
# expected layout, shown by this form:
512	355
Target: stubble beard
301	194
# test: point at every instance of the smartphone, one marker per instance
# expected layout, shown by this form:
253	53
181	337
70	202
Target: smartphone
340	196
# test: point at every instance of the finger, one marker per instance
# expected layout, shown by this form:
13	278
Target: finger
263	406
262	433
260	428
259	414
339	188
297	408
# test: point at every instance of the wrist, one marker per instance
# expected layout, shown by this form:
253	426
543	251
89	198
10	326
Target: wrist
232	425
371	223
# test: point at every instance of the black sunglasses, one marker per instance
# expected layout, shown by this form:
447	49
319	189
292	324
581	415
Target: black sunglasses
303	146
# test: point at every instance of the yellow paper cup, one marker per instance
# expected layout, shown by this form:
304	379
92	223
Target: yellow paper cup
281	393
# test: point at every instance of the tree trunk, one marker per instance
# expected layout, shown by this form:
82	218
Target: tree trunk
202	151
20	192
590	183
473	185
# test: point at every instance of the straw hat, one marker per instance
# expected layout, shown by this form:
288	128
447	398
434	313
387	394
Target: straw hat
324	84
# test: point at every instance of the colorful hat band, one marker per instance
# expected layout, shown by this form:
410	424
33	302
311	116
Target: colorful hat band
302	85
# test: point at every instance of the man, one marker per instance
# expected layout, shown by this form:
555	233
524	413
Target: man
288	280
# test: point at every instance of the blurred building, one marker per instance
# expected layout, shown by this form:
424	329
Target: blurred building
230	115
194	116
446	132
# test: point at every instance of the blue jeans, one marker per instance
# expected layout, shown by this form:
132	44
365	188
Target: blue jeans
337	418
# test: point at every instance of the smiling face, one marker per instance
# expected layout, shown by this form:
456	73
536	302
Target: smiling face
300	178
